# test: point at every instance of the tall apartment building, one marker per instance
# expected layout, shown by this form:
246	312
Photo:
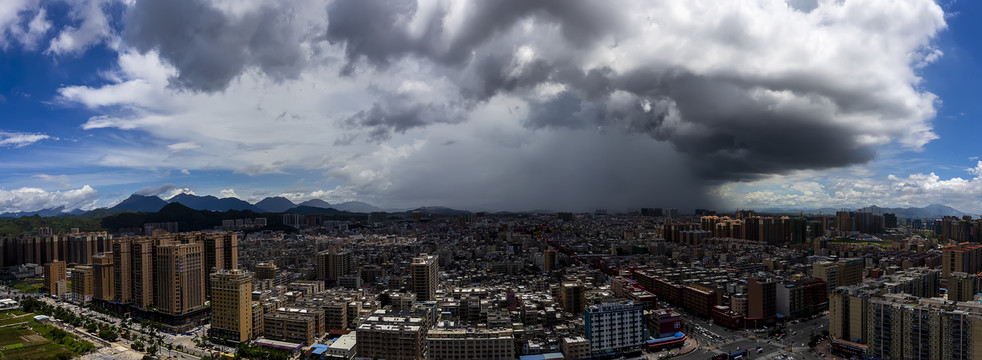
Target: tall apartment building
961	286
231	305
572	297
392	337
123	270
964	257
180	277
425	277
848	315
332	264
55	276
802	298
102	275
615	328
549	260
142	275
75	248
850	271
828	272
221	250
338	264
82	288
900	326
266	271
464	343
762	299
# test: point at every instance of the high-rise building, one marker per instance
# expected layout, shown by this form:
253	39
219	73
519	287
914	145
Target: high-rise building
850	271
179	277
961	286
425	276
55	277
848	315
102	275
338	264
828	272
141	254
231	305
82	287
963	257
266	271
392	337
123	270
573	297
761	299
615	328
549	260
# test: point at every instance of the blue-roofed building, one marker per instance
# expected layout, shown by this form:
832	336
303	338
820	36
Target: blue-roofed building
548	356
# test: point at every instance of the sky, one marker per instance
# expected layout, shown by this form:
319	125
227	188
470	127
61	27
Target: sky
493	105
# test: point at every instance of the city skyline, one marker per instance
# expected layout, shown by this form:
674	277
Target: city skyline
519	106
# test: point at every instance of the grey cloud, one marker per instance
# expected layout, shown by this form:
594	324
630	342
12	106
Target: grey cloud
375	30
399	112
210	48
154	191
561	170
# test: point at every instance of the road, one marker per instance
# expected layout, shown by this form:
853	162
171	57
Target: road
715	339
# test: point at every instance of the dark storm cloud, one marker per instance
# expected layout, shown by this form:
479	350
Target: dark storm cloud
375	30
154	191
399	112
718	92
209	48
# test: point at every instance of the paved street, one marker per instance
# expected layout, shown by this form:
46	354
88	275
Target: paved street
715	339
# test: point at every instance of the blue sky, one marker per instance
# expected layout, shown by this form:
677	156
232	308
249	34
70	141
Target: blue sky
757	104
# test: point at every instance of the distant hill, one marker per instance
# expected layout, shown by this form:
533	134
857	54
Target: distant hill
439	210
140	203
58	211
276	204
316	203
311	210
356	207
928	212
212	203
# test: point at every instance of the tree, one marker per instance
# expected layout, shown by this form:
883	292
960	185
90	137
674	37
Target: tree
108	334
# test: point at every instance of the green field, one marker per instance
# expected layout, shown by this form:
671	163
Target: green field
39	341
27	286
10	318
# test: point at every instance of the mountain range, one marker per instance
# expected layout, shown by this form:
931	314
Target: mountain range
927	212
149	204
278	204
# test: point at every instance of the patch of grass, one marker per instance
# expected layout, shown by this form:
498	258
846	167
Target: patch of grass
11	313
14	320
48	342
28	286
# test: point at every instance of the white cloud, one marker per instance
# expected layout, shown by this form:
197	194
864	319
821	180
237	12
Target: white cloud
19	139
93	28
185	172
807	190
22	21
228	193
182	146
63	180
32	199
178	191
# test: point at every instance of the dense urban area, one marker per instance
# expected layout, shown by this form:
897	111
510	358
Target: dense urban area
647	284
